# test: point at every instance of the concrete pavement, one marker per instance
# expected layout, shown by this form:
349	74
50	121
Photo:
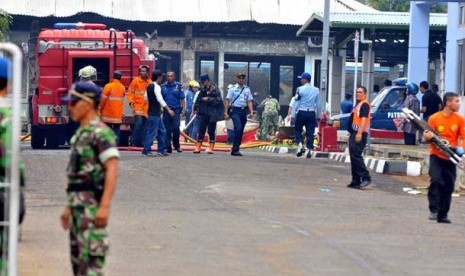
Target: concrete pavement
263	214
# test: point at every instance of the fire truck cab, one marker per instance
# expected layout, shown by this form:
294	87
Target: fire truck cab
60	54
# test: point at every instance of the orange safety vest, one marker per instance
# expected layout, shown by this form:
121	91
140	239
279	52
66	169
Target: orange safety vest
112	102
136	92
357	120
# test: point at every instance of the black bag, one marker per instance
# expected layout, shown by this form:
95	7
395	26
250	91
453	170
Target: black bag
231	108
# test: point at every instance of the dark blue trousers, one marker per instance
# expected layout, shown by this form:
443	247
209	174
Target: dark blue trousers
239	117
172	128
138	131
307	119
155	128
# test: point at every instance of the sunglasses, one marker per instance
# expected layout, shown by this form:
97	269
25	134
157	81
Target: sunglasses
73	102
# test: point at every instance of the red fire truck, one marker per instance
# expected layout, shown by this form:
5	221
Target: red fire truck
60	53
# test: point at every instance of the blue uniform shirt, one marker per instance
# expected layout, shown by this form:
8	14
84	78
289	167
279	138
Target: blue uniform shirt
308	98
172	94
242	100
189	100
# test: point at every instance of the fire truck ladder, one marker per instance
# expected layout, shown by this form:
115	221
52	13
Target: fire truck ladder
10	185
128	45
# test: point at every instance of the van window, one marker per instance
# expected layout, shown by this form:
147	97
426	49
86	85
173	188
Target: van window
394	100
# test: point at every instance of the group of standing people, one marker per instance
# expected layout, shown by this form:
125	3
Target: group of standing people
421	100
157	111
158	108
442	116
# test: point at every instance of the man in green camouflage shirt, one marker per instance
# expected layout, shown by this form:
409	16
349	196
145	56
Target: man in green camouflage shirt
92	176
5	158
270	116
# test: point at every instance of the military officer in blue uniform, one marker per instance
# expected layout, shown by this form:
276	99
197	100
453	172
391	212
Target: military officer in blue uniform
173	95
238	100
308	107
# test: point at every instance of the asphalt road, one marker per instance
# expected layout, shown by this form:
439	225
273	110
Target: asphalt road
263	214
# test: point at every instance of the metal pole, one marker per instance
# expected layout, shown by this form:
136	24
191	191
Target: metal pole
356	46
16	56
324	55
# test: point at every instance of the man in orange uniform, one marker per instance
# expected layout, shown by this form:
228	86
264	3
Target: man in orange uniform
111	104
359	124
136	99
450	125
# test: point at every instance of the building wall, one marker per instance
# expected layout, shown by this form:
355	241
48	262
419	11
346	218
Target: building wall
188	48
455	75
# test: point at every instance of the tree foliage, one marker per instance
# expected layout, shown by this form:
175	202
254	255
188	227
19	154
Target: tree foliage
5	21
399	6
389	5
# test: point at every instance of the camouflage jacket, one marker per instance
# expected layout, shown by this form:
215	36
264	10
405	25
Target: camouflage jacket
91	147
270	107
5	146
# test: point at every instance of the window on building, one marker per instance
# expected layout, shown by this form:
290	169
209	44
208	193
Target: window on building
259	80
258	77
462	15
231	69
286	84
207	63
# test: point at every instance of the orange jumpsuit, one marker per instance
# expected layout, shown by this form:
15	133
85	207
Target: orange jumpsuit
136	93
112	101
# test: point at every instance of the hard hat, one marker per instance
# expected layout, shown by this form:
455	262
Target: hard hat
4	65
412	88
117	74
87	72
194	83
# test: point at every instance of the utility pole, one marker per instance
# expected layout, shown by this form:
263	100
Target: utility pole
324	59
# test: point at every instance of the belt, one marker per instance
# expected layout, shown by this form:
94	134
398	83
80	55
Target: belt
306	109
241	108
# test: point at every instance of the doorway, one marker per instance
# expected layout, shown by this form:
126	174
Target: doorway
266	75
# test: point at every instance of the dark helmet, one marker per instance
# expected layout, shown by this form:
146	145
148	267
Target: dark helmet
412	88
117	74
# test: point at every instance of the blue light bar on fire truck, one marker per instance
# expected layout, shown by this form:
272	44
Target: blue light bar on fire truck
80	26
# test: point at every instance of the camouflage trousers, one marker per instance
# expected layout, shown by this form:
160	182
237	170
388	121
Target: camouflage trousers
2	247
267	121
89	245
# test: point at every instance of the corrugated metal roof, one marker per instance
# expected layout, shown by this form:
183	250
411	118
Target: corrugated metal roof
289	12
380	20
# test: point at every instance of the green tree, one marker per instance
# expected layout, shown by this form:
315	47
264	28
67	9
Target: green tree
389	5
399	6
5	21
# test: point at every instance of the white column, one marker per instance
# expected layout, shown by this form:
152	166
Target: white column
437	72
452	47
418	41
221	69
368	70
343	55
308	61
335	84
187	66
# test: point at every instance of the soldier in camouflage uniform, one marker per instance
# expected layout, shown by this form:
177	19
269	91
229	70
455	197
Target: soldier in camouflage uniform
92	175
270	116
5	161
